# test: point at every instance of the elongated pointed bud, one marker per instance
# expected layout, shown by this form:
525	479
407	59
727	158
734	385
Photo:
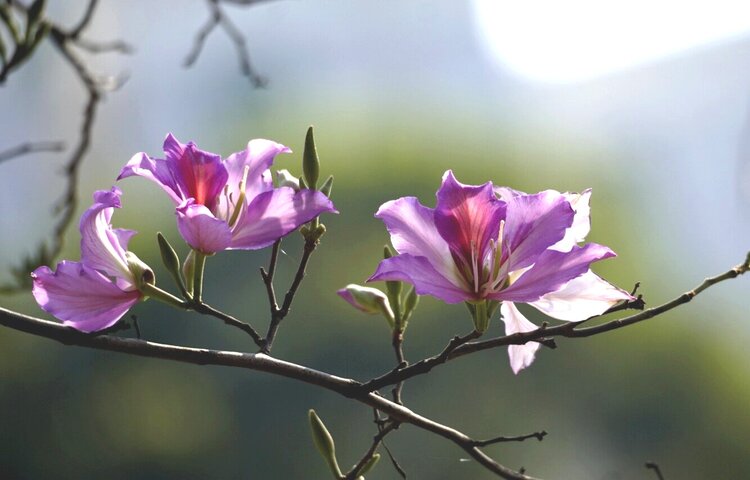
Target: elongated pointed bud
172	263
324	443
369	465
394	288
285	179
410	304
310	162
368	300
188	271
327	186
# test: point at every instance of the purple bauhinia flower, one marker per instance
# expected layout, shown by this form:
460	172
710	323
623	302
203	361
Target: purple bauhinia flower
96	292
230	204
484	244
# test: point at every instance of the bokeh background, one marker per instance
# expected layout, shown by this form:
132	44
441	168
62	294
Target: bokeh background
531	97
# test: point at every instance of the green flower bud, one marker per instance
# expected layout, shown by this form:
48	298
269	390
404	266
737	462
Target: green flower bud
171	262
324	443
368	300
310	162
480	316
410	304
188	271
369	465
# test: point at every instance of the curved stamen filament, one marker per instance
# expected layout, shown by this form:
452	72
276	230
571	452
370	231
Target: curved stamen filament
241	199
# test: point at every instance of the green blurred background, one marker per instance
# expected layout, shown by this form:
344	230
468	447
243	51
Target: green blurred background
398	93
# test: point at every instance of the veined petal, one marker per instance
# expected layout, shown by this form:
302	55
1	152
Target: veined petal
533	223
258	156
157	171
80	296
506	193
581	221
200	229
521	356
551	271
413	231
419	272
101	246
199	174
275	213
468	217
581	298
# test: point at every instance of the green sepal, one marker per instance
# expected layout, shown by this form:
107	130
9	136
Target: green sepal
327	186
324	443
310	161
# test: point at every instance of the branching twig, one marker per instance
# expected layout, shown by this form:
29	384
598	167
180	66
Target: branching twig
568	330
65	207
376	440
520	438
31	147
219	18
279	313
255	361
656	469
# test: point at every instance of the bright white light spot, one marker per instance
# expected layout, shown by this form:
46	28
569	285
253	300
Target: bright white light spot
566	41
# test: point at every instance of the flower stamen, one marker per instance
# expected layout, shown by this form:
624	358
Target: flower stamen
241	198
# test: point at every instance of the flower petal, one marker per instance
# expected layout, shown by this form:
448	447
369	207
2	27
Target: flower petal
551	271
80	296
581	221
200	229
275	213
521	356
581	298
467	216
419	272
199	174
101	246
534	223
413	231
258	156
157	171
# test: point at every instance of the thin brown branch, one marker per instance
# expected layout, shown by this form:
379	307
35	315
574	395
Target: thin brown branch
216	18
656	469
259	362
31	147
376	441
279	313
205	309
545	334
85	20
520	438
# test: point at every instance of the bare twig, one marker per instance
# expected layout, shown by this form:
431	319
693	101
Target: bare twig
376	441
260	362
219	18
31	147
520	438
65	207
656	469
279	313
205	309
545	334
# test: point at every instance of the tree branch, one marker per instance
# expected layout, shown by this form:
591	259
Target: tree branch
259	362
545	334
31	147
520	438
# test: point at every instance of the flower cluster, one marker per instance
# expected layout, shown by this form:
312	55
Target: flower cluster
220	205
483	245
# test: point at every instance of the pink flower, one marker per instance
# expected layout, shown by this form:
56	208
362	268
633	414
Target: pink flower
96	292
230	204
475	247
